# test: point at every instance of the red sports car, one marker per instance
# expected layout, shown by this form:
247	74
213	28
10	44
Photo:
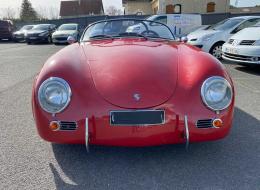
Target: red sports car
129	83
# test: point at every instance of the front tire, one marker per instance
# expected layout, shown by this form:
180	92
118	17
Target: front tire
216	50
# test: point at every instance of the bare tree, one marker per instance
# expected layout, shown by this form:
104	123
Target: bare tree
27	12
48	13
42	12
112	10
9	13
54	13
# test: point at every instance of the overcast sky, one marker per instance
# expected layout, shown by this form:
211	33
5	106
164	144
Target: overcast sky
244	3
45	4
54	3
118	3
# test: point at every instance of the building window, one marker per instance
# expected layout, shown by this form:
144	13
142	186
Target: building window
211	7
169	9
177	8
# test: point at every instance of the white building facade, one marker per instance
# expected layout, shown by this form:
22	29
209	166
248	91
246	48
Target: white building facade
176	6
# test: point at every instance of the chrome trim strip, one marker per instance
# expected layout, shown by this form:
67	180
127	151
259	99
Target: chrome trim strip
139	125
204	120
186	133
86	135
63	122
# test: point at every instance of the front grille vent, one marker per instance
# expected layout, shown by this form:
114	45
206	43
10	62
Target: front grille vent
247	42
68	126
231	41
207	123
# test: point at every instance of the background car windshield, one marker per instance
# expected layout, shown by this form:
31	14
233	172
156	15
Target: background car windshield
27	28
156	18
225	24
68	27
257	24
41	27
128	28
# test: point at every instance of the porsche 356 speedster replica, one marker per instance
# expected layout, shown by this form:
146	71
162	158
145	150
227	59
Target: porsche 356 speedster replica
123	87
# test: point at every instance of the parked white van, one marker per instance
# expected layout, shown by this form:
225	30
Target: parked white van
180	24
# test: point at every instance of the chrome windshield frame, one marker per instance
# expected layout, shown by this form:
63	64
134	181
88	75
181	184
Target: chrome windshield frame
129	19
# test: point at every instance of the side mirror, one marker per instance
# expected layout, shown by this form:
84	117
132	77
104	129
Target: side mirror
71	40
184	39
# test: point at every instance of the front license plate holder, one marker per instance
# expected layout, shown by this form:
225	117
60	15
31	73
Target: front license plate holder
137	118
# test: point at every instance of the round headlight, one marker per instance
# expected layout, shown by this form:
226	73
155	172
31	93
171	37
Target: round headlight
216	93
54	95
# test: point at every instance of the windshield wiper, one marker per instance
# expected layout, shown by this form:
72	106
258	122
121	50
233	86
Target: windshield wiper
126	34
101	37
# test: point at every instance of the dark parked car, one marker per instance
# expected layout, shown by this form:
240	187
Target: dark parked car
19	36
6	29
40	33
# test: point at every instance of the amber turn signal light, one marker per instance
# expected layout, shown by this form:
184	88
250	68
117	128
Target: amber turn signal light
217	123
54	126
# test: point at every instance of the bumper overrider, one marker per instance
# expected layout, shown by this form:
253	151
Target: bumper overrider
90	123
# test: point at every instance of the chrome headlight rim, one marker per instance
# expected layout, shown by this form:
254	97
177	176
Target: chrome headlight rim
51	80
203	90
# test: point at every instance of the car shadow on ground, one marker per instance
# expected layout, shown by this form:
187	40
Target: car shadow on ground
6	42
214	165
250	70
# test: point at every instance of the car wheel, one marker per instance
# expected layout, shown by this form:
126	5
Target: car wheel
216	51
28	43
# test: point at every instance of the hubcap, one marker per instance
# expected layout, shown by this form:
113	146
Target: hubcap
217	52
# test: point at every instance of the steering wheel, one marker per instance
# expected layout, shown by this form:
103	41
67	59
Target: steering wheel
150	33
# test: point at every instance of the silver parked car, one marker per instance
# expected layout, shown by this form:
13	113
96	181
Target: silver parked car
19	36
61	35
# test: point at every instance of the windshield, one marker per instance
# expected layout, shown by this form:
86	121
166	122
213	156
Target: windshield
68	27
225	24
42	27
127	28
27	27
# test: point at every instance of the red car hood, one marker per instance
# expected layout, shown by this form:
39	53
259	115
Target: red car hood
133	74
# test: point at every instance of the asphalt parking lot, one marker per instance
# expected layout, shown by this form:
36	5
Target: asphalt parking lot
27	162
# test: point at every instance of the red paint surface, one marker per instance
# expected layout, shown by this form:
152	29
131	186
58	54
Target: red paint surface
104	75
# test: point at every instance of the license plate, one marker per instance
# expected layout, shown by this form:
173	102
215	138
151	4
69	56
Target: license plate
232	50
33	38
137	118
